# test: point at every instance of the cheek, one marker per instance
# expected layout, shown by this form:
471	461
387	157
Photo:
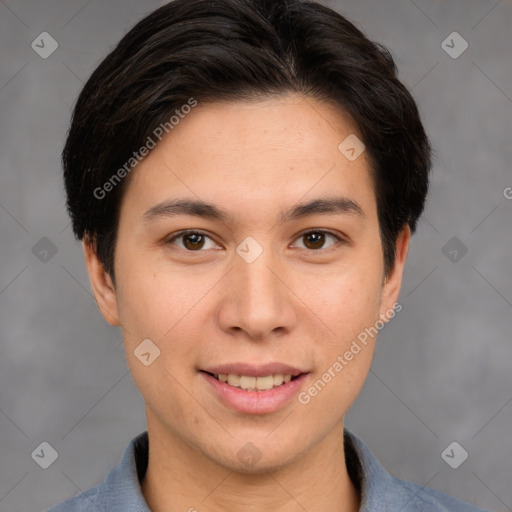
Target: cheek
170	309
154	303
347	302
349	307
159	307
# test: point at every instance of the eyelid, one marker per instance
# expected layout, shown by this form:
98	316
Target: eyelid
179	234
340	239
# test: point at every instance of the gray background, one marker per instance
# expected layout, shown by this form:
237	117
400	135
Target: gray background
442	367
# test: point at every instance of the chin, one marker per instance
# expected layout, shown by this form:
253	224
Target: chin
251	460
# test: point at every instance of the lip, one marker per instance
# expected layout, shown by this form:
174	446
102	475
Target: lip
255	402
252	370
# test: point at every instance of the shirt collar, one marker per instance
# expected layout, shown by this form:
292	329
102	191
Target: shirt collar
376	485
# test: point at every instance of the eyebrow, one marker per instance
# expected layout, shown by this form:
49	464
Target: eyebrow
198	208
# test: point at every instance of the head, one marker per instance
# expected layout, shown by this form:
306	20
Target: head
230	119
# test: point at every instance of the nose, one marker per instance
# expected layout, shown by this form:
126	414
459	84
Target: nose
256	299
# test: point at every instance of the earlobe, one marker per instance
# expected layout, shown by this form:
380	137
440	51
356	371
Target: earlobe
393	282
101	284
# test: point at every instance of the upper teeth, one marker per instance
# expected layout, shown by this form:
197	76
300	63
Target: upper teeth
254	383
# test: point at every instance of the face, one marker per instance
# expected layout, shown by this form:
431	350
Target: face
260	289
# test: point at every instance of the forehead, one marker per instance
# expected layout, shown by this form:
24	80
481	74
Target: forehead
255	154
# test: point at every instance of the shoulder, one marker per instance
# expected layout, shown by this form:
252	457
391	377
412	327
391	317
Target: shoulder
84	502
382	492
418	498
121	491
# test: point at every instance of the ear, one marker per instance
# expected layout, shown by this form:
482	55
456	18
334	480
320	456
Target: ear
101	284
393	282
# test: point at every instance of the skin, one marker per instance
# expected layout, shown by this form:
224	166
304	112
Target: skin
295	303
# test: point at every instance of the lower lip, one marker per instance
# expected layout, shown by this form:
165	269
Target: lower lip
255	402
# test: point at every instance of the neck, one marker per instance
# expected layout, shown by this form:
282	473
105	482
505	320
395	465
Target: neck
180	478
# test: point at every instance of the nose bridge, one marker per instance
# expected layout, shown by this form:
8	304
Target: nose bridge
258	283
258	302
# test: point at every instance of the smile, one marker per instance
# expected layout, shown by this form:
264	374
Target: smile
250	394
250	383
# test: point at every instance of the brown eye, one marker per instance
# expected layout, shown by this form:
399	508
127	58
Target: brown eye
316	240
192	241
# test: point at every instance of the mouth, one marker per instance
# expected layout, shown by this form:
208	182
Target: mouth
253	389
252	383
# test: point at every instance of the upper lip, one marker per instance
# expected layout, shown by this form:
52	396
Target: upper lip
252	370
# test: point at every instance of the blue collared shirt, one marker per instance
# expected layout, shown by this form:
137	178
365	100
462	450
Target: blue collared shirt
380	491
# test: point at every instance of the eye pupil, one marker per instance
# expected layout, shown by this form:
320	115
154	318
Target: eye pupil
317	240
197	241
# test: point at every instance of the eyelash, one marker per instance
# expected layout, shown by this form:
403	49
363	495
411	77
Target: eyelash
186	232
